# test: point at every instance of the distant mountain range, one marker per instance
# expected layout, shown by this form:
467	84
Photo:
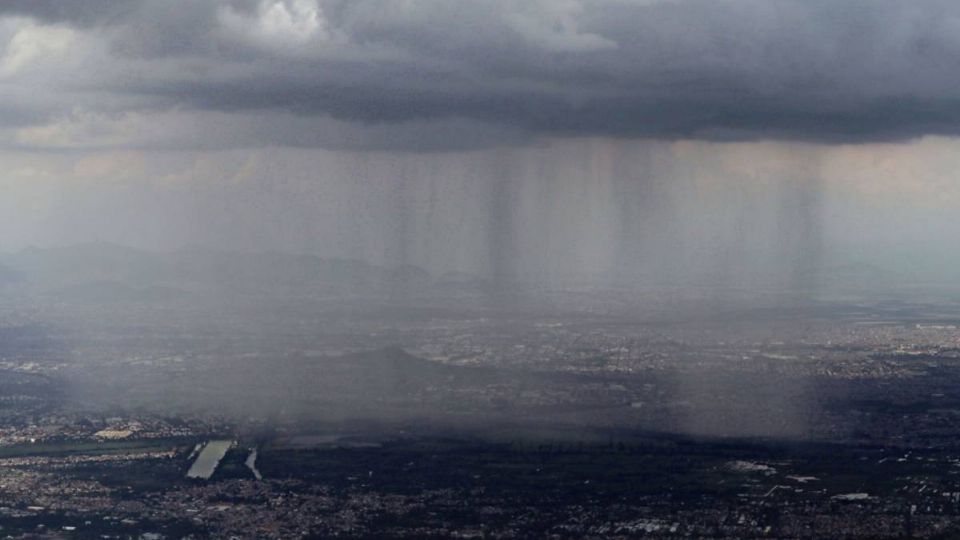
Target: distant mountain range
108	271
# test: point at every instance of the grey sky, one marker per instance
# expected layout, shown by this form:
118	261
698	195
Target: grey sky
731	141
424	74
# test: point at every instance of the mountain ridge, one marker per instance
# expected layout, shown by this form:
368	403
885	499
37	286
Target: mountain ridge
102	265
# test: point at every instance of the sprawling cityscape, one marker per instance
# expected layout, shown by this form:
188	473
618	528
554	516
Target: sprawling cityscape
276	416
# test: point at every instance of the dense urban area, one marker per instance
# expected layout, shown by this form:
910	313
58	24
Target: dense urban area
662	412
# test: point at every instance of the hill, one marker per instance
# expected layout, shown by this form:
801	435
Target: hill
83	271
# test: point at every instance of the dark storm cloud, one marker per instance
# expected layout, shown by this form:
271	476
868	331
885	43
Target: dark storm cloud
81	13
855	70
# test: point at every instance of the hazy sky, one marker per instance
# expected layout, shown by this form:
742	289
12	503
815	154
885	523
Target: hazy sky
560	137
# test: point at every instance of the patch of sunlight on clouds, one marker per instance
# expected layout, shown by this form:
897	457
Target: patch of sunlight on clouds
281	25
34	44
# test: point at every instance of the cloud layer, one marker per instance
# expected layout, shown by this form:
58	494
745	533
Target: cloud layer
428	74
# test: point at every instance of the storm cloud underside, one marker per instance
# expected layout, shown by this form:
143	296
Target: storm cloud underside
534	140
